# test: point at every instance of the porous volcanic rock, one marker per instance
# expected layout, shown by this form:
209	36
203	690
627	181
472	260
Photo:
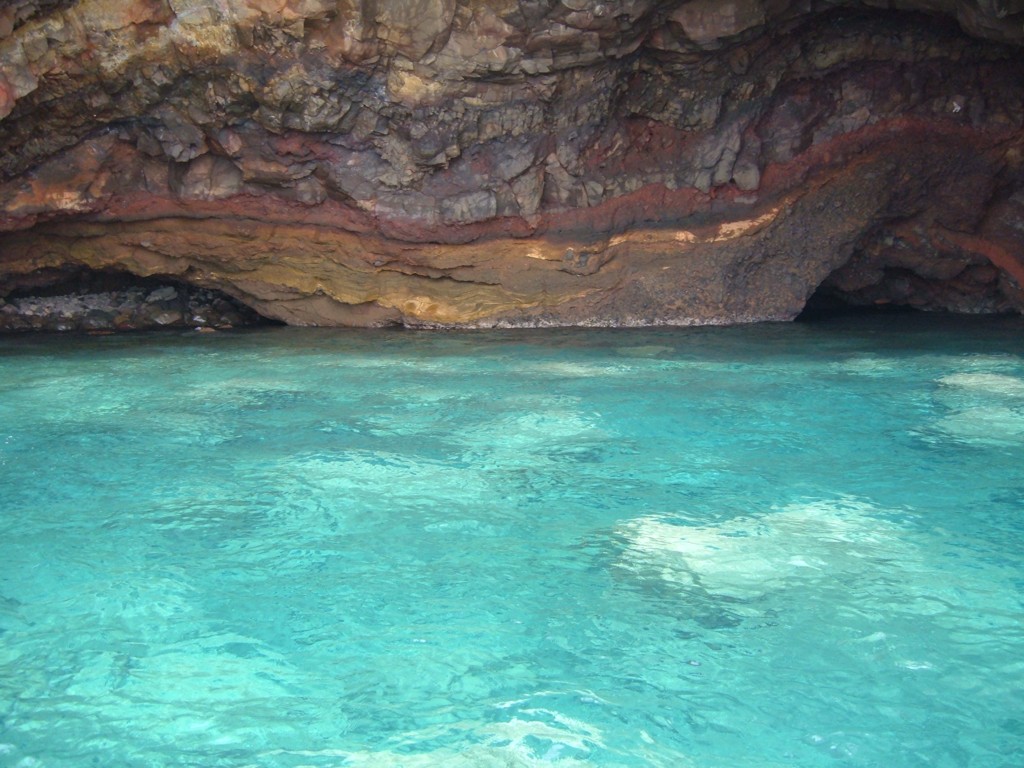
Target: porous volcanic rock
103	302
530	162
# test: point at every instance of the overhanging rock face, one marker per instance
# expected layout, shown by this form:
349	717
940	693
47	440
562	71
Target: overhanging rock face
500	163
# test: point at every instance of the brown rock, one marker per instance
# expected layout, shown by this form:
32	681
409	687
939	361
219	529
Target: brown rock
446	162
706	22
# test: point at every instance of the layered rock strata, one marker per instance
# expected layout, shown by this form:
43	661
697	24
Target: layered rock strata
500	163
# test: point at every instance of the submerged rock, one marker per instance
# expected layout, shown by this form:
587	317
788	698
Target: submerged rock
455	163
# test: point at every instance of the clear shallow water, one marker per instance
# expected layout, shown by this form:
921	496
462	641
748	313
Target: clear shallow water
766	546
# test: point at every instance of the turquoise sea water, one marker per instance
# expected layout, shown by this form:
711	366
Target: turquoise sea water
782	545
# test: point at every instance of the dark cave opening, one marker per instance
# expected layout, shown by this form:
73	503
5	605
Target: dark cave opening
88	300
827	304
869	285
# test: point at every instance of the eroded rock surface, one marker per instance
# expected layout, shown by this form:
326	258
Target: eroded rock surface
99	302
530	162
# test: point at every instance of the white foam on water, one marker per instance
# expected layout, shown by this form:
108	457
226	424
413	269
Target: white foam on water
477	756
551	725
867	366
998	384
551	738
992	425
580	370
530	423
645	350
982	362
396	476
749	556
542	426
916	666
981	407
874	637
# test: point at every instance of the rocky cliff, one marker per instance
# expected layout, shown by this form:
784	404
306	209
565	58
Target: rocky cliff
519	162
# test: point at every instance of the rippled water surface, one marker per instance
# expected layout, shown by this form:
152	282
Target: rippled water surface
790	545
